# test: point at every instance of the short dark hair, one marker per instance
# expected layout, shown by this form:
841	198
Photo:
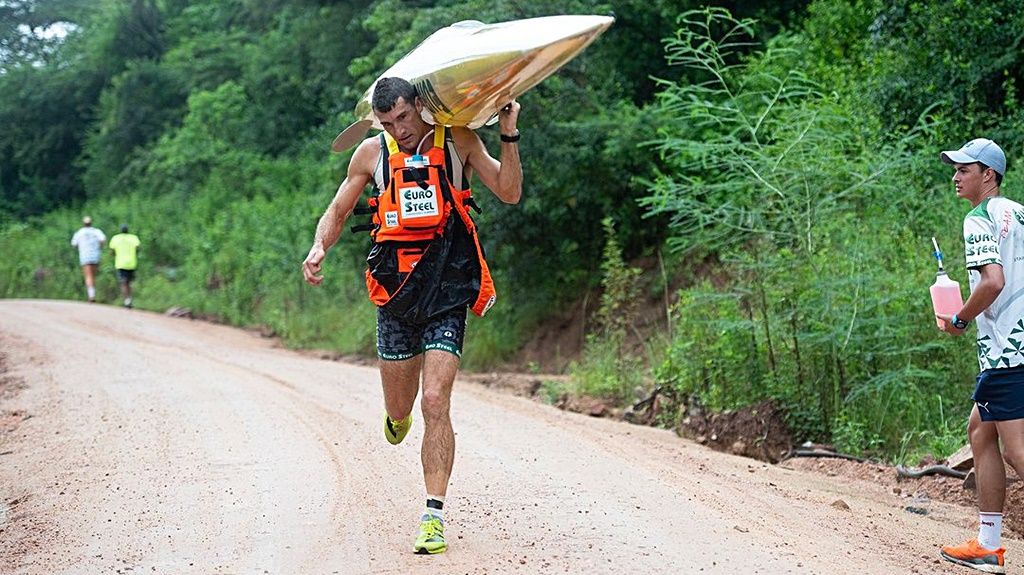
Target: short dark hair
982	166
388	90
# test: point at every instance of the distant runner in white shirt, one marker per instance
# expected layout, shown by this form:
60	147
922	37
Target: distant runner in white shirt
89	241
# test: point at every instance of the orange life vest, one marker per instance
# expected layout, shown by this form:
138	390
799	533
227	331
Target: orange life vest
424	261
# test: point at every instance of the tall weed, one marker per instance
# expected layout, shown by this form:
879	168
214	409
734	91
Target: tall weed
825	305
607	368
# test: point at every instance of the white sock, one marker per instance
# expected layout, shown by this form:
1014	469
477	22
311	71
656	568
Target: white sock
91	291
127	301
990	529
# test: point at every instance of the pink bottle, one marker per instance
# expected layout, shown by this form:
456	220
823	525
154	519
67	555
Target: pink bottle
946	296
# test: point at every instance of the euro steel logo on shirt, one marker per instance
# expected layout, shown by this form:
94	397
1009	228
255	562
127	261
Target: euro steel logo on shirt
972	239
419	202
982	250
980	245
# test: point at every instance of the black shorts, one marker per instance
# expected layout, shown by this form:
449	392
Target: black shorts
999	394
398	339
125	275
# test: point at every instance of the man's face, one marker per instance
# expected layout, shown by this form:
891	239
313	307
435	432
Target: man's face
404	123
972	182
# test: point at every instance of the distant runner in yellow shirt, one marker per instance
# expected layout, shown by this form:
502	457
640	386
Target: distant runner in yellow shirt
125	248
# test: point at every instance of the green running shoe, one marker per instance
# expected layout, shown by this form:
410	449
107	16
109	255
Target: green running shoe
431	539
395	431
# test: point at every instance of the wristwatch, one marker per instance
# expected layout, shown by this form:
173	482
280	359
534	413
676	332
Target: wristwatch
510	139
959	323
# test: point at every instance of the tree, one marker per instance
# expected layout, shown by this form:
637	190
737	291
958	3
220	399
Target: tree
40	110
137	107
31	32
967	57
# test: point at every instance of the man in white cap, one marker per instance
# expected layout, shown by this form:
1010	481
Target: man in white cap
994	239
89	241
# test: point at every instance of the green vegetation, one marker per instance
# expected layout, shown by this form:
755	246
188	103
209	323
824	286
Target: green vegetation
607	368
790	188
779	164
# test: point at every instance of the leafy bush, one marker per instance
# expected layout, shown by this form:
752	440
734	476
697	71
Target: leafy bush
821	308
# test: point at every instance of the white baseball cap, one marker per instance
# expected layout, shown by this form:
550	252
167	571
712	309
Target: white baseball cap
978	150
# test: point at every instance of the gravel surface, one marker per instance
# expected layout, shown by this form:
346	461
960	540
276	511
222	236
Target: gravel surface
132	442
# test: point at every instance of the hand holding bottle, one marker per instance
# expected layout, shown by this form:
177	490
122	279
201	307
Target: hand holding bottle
946	297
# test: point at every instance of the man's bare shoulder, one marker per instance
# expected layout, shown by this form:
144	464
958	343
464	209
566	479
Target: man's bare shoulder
370	144
364	159
467	142
463	134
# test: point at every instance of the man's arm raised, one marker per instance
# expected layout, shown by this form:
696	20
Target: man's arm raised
504	176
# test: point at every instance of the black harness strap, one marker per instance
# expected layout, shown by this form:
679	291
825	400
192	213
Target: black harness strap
385	168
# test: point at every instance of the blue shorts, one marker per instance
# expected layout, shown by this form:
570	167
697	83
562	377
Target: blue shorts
398	339
999	394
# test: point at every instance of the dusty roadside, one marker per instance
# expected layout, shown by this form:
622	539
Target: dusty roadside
132	442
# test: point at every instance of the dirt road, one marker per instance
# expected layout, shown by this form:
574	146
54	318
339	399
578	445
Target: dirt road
149	444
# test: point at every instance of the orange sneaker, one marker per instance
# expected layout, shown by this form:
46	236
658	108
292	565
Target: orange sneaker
973	555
